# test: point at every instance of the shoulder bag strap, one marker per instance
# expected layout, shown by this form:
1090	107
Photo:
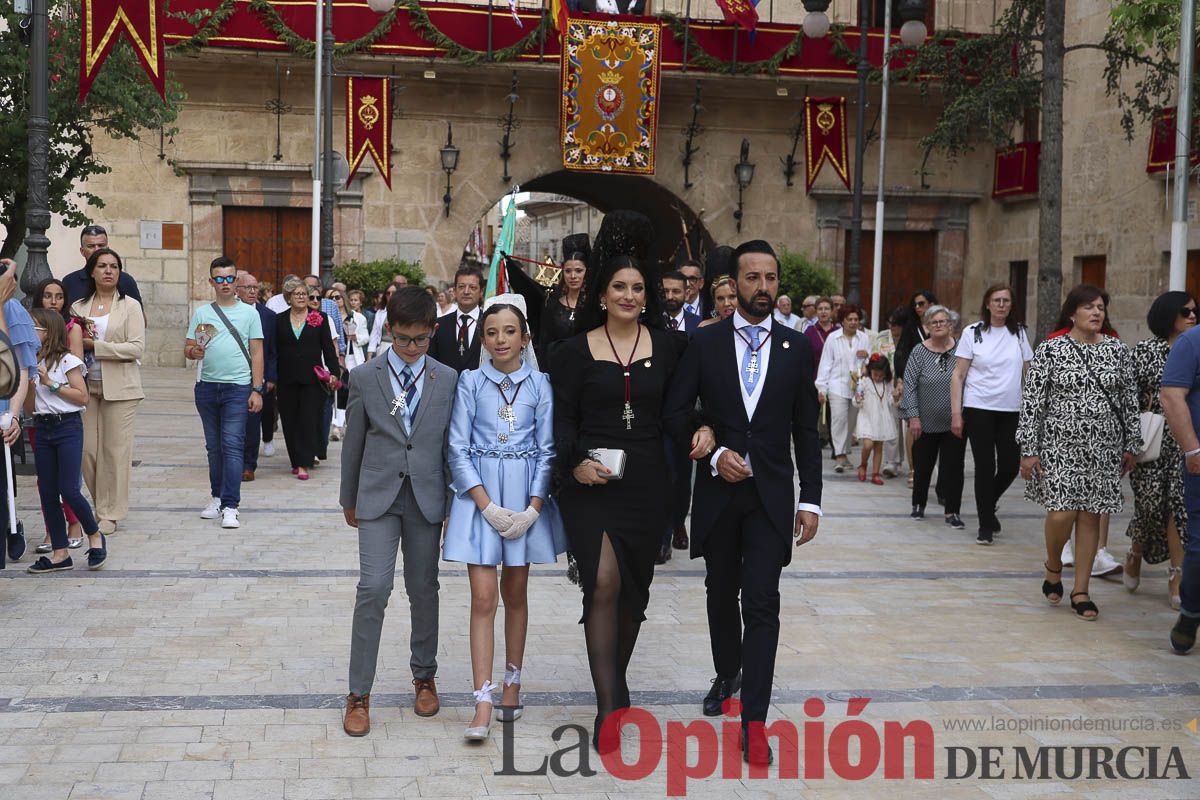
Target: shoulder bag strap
237	337
1092	377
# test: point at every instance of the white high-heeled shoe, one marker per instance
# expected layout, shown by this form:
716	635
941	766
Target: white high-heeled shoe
479	733
512	677
1131	581
1172	574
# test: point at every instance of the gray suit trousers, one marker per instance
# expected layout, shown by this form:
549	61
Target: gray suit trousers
402	528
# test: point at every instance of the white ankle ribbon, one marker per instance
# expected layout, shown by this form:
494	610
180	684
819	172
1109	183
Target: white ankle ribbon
512	675
484	693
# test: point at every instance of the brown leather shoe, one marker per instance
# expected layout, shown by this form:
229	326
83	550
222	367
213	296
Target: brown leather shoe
427	703
358	715
247	475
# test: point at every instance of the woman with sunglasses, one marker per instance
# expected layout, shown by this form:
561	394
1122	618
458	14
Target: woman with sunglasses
925	403
1158	530
303	344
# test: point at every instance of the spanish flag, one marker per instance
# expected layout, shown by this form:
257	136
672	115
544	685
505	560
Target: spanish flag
558	8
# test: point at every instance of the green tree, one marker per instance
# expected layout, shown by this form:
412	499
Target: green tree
122	104
988	83
800	276
372	277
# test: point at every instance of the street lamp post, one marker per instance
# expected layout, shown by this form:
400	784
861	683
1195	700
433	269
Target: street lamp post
37	218
853	272
327	198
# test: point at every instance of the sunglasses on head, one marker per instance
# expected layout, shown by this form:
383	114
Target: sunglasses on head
224	278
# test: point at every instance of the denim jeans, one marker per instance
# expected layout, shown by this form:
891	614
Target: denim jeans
326	422
1189	589
223	409
59	455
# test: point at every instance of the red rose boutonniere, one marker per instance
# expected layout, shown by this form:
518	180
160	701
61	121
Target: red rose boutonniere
313	319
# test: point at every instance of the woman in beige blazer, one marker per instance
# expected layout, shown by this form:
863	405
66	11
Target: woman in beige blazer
116	338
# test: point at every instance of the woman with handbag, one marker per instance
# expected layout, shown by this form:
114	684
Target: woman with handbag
1158	530
1078	431
116	338
303	343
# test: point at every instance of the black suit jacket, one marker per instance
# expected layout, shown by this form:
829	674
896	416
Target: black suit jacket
297	357
444	345
786	413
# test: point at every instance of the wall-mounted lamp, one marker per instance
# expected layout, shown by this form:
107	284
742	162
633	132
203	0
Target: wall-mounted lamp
449	154
743	170
816	22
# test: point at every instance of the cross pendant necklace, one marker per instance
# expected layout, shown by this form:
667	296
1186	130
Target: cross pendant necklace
752	369
507	413
627	413
400	401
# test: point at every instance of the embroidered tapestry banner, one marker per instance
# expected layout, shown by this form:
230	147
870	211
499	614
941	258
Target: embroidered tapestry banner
609	114
825	138
369	124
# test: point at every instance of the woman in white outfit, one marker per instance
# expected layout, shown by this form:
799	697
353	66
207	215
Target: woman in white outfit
842	359
380	336
358	336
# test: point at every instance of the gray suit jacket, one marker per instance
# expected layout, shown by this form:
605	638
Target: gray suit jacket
378	456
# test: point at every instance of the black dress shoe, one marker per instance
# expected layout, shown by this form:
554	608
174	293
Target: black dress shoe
1183	635
664	555
722	689
680	540
918	512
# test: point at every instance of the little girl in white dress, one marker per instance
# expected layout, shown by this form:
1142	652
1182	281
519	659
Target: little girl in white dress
875	397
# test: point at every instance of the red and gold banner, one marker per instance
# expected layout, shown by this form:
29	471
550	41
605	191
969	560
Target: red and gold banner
102	21
1016	172
739	12
608	120
369	124
1162	143
825	138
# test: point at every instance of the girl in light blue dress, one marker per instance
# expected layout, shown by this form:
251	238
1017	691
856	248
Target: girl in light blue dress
501	446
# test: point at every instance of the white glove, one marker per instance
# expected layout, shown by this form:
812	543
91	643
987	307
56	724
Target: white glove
499	518
522	521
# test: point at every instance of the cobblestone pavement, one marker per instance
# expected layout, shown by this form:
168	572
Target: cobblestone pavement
210	663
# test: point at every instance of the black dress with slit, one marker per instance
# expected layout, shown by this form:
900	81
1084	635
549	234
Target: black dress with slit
589	401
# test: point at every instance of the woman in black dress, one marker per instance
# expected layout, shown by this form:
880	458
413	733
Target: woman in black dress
303	342
564	311
609	384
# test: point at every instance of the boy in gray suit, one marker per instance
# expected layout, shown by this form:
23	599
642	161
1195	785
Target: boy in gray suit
395	490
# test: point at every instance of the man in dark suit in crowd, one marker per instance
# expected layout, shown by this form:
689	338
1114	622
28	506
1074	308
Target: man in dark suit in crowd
247	291
75	284
674	293
457	340
753	378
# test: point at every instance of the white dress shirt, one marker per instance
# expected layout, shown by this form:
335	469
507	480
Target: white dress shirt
750	401
679	326
837	359
790	320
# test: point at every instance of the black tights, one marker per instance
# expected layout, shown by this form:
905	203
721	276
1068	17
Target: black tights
611	631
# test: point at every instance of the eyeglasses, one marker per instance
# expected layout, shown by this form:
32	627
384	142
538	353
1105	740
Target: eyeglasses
335	297
1187	311
409	341
695	278
937	323
224	279
809	305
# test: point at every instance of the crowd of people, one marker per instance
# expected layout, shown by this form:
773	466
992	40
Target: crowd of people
699	385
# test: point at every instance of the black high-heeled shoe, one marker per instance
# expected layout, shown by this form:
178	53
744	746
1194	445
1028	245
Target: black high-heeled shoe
1049	588
608	746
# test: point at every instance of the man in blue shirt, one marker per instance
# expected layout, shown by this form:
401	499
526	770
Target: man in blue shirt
227	337
75	284
247	291
1180	397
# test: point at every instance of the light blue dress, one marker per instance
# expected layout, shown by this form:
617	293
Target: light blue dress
511	464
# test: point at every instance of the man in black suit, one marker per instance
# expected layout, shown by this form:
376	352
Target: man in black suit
456	341
754	381
674	293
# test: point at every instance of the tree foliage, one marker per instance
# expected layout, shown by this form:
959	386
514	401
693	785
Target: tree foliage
800	276
372	277
122	104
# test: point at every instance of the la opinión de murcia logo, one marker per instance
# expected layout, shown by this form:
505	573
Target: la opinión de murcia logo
826	747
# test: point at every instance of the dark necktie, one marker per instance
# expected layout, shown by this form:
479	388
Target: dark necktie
463	322
410	394
674	324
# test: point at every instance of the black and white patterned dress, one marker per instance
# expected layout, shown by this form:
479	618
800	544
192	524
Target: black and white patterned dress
1158	485
1077	431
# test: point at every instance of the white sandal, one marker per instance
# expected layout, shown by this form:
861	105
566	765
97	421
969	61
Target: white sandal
1172	574
512	677
482	695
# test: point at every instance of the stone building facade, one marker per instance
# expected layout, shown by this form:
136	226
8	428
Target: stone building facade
226	182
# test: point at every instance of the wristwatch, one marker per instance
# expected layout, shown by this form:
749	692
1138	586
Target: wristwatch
55	386
261	388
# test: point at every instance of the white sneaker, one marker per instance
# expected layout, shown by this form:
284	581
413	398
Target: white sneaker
212	510
269	449
1068	555
229	518
1105	564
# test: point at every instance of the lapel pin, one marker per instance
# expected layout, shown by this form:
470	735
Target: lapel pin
786	345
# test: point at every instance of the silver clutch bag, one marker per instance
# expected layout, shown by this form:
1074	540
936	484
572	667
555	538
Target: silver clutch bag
611	459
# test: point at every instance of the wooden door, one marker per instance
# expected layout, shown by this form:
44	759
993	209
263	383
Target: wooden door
1193	273
1092	270
271	243
908	265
